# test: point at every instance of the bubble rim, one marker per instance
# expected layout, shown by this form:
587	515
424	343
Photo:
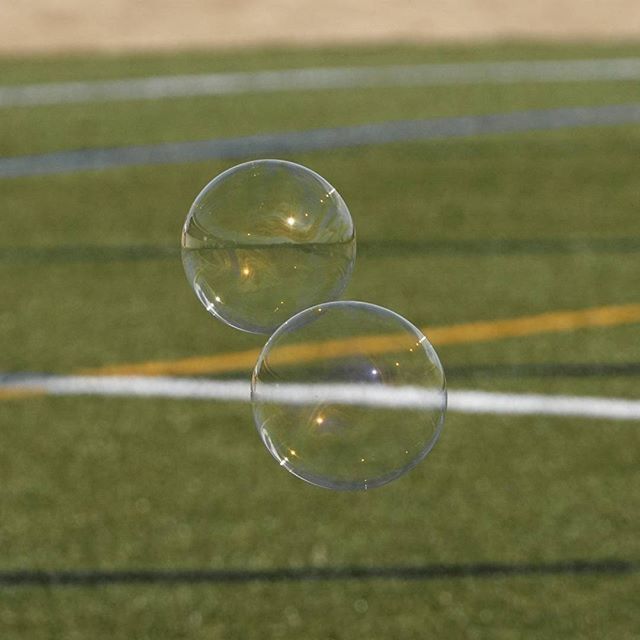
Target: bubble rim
257	161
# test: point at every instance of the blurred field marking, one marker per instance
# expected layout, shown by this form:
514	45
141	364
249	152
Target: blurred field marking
133	380
244	361
317	79
11	392
459	401
290	143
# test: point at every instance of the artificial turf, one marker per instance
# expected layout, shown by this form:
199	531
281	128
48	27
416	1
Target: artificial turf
449	231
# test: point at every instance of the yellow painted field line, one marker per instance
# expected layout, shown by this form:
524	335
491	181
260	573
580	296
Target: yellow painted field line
17	393
456	334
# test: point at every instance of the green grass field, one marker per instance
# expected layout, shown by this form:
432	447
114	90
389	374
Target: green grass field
92	483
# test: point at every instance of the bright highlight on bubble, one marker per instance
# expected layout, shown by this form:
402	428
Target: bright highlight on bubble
265	240
348	395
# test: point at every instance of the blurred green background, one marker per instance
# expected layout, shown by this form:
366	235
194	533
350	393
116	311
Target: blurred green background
449	231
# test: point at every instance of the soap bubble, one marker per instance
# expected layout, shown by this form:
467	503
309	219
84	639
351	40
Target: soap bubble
264	240
348	395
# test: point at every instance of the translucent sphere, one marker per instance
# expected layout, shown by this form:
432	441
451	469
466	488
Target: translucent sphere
264	240
348	395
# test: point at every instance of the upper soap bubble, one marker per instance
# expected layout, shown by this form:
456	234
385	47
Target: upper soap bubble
265	240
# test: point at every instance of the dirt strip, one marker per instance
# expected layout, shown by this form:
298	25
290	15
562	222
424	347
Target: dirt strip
40	26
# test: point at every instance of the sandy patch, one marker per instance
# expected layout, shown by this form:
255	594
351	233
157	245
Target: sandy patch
28	26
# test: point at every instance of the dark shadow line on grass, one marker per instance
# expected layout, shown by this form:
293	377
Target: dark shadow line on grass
500	247
65	254
545	370
427	572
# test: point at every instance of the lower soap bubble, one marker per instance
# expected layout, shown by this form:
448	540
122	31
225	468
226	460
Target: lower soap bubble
348	395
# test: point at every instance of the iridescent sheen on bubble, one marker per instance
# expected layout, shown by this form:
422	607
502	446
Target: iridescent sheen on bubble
264	240
348	395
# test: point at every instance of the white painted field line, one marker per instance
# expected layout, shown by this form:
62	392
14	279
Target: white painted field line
316	79
461	401
529	404
368	395
134	386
